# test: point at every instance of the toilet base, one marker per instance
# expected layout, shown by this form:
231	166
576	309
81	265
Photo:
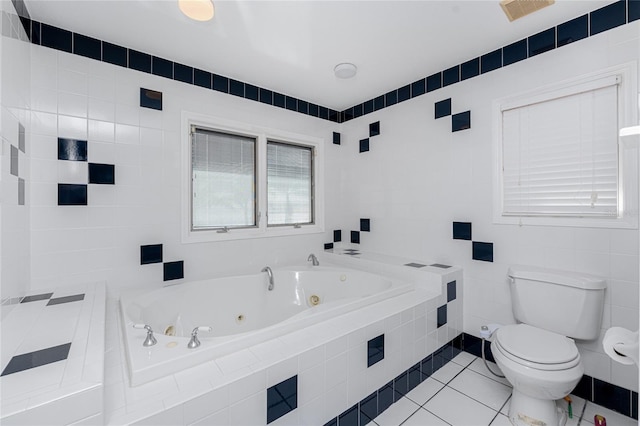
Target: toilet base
525	410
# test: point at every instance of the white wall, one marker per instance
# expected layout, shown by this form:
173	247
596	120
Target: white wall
14	99
86	99
419	177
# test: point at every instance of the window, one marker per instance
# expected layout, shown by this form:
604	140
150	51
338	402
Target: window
246	182
559	157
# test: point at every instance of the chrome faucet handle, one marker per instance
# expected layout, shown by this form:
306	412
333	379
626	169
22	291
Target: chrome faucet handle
195	342
313	259
149	340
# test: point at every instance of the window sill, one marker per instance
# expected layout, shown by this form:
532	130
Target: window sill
206	236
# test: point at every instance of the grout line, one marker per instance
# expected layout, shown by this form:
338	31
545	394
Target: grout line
584	408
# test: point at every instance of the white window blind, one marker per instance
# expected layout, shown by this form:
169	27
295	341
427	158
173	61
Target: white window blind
223	180
560	154
289	184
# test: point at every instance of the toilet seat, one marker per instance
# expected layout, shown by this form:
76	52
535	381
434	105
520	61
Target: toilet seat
536	348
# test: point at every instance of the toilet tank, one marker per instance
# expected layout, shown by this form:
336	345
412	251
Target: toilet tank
567	303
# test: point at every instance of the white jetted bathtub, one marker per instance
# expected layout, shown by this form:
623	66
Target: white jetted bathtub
241	312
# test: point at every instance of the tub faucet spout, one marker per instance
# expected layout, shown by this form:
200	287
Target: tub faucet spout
270	274
313	259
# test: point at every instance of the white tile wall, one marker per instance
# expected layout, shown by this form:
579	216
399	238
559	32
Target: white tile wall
419	177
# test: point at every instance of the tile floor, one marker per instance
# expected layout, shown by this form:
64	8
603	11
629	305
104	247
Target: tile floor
464	393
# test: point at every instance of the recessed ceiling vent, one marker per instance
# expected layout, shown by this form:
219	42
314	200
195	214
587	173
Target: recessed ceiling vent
515	9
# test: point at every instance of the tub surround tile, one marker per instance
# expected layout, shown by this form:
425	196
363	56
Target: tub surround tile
415	265
282	398
72	149
451	291
378	103
38	358
337	236
355	237
252	92
440	265
173	270
150	99
462	231
72	195
36	297
364	145
375	350
103	174
328	246
365	225
442	315
65	299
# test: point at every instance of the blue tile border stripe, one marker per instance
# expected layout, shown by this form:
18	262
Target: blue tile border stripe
599	20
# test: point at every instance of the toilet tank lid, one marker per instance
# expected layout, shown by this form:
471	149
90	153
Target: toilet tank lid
556	276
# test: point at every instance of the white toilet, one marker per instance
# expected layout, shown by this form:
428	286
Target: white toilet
538	355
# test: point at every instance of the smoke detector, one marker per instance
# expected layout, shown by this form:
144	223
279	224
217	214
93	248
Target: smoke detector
345	70
516	9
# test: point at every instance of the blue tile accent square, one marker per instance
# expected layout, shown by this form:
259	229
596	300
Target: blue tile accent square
483	251
391	98
251	92
542	42
573	30
103	174
415	265
220	83
36	297
462	231
368	409
202	78
400	386
313	110
426	367
451	76
404	93
385	397
374	129
139	61
414	377
72	195
378	103
491	61
368	107
418	87
470	69
608	17
442	108
183	73
328	246
358	110
375	350
335	116
612	396
173	270
282	398
633	12
442	315
56	38
278	100
72	149
236	88
434	82
15	161
36	32
65	299
336	138
337	236
461	121
514	52
440	265
348	114
365	225
355	237
451	291
291	103
323	112
634	405
584	389
161	67
364	145
266	96
21	192
114	54
37	358
349	417
151	253
150	99
87	46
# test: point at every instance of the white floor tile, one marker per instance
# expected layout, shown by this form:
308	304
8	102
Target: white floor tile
458	409
479	367
501	420
481	388
447	372
397	413
464	359
424	391
424	418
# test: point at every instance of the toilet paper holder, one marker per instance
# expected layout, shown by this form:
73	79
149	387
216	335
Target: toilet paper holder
621	345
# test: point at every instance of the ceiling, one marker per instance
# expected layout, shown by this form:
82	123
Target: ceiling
292	46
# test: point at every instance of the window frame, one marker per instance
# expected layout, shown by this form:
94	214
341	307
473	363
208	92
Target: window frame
627	155
262	136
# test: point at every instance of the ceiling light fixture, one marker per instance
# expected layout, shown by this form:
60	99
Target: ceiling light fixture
345	70
198	10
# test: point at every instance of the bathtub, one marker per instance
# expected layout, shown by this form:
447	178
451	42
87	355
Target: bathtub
241	312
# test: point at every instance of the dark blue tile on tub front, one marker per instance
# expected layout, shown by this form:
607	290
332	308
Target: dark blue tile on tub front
349	417
461	121
414	377
451	76
72	195
282	398
514	52
139	61
573	30
482	251
451	291
173	270
183	73
491	61
542	42
470	69
150	99
87	46
434	82
400	386
442	315
426	367
151	253
608	17
375	350
202	78
462	231
56	38
385	397
103	174
114	54
72	149
368	409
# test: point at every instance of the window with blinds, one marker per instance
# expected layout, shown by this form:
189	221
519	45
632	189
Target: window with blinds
560	153
289	184
223	180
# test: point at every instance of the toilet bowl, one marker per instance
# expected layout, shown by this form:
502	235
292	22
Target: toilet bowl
542	366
